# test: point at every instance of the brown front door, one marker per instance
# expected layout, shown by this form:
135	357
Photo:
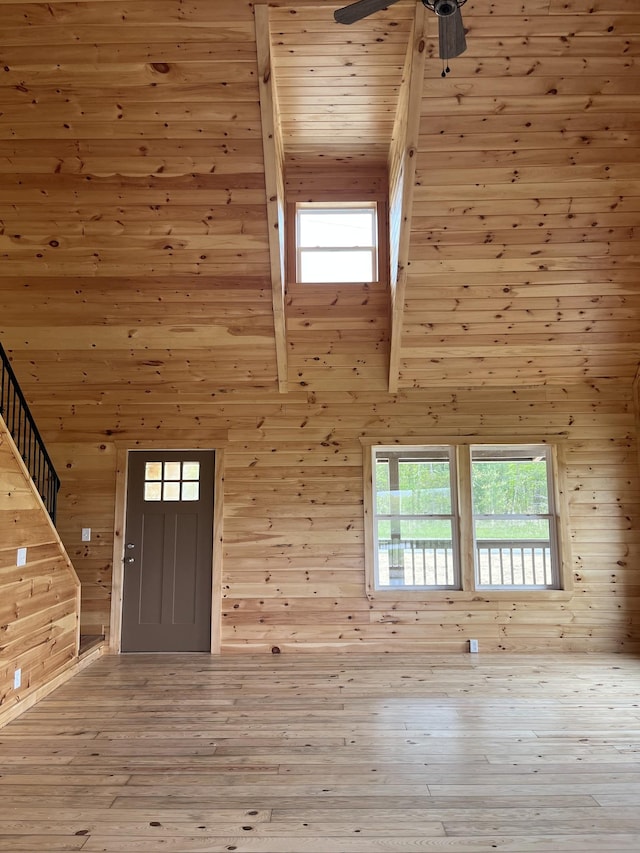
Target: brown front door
168	552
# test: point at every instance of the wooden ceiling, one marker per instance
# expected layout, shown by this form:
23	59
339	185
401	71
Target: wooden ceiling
338	85
134	246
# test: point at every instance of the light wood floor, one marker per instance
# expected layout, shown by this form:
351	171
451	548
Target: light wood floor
290	754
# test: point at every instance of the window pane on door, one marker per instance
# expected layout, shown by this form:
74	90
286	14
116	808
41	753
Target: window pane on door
190	470
190	491
153	471
172	481
153	491
172	470
171	492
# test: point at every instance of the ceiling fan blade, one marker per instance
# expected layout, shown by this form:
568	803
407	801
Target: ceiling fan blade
451	36
362	9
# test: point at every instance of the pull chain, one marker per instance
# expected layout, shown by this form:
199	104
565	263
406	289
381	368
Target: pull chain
445	62
445	66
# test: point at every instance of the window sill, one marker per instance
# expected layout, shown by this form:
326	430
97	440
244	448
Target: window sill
325	284
472	596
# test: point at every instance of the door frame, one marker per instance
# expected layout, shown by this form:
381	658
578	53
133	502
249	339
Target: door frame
117	580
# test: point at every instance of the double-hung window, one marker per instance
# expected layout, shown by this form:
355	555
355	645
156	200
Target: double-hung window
514	518
460	517
336	242
416	522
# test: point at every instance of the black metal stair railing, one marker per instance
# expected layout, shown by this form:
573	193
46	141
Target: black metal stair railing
15	412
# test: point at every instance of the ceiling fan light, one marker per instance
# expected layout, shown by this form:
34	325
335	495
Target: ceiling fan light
445	8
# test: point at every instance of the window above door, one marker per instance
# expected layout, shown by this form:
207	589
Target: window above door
336	242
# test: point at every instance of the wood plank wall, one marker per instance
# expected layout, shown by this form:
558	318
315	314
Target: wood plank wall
523	261
39	601
293	569
136	305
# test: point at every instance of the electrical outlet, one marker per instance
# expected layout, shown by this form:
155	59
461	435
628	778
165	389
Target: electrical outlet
21	557
473	646
86	534
17	679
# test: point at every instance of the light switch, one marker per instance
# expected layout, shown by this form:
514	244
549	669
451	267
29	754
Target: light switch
21	558
86	534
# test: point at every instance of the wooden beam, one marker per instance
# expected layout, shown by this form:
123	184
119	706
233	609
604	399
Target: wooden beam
402	169
274	185
636	407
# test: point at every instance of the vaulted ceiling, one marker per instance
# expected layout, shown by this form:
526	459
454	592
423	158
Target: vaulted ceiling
134	239
338	85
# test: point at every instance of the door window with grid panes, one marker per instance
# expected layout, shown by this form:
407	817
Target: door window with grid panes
172	481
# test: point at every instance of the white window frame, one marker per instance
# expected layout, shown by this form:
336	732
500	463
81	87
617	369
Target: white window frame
465	549
395	455
331	208
528	554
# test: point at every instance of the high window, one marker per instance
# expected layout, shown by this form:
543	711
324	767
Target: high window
480	517
336	242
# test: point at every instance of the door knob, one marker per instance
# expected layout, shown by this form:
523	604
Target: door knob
130	560
130	545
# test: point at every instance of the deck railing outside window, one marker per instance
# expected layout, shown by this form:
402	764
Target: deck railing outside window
416	562
526	562
429	562
16	415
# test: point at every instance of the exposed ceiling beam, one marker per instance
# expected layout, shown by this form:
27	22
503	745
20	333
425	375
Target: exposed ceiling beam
636	402
402	170
274	184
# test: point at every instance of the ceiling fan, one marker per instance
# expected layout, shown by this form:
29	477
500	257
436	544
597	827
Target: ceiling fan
451	35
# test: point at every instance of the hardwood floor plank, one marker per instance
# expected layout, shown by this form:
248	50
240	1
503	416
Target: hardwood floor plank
604	825
510	844
389	753
73	819
38	843
16	780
